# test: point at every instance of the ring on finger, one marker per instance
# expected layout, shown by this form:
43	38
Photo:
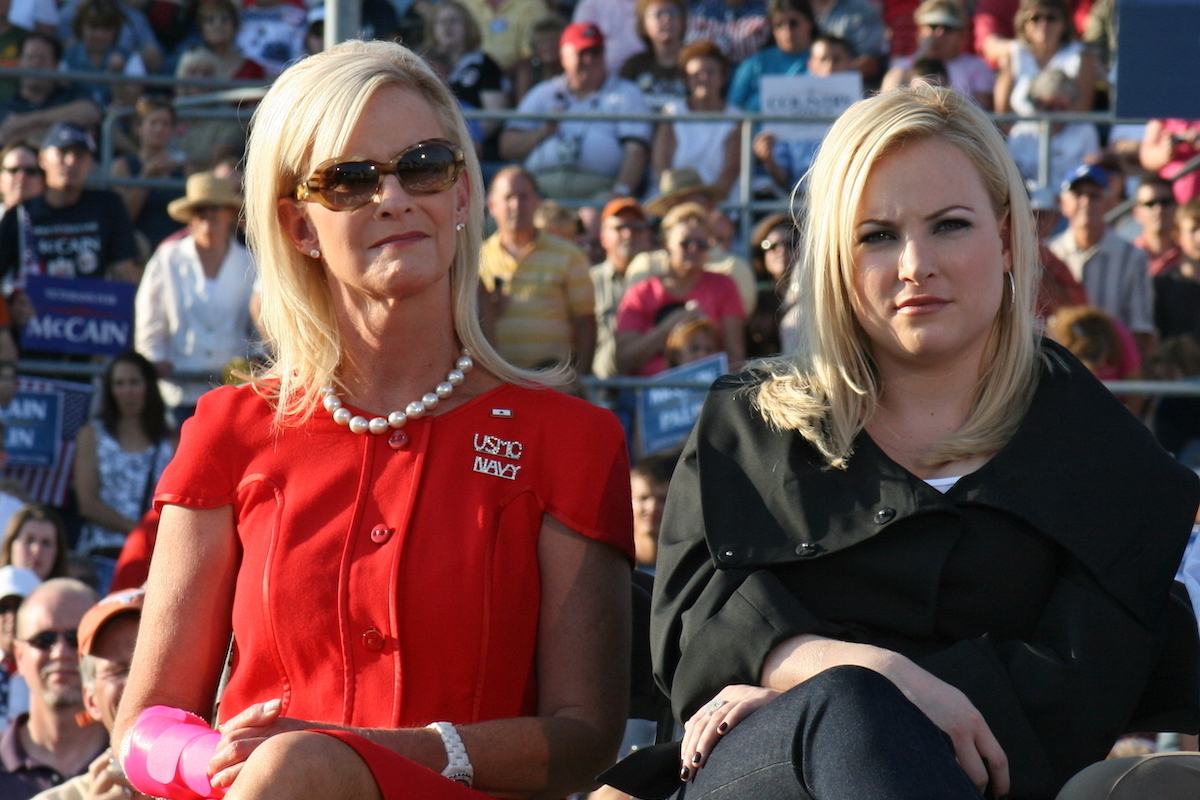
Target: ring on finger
713	705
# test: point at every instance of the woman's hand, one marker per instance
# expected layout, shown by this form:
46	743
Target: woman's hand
715	719
976	748
242	734
764	146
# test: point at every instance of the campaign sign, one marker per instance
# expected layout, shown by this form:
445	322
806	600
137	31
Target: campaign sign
79	315
666	416
34	428
816	100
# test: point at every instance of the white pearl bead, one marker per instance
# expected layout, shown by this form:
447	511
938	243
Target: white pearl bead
398	419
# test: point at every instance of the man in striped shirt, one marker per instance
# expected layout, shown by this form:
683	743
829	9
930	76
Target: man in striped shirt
538	302
1112	271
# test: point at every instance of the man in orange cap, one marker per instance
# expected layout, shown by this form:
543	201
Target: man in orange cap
624	233
107	635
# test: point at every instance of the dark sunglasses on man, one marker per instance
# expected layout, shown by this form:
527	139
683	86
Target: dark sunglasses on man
45	640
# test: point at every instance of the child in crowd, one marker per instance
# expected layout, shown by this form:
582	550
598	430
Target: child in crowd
1093	337
690	341
649	479
1177	291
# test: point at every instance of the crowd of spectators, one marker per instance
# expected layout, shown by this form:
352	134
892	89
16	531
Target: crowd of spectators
637	270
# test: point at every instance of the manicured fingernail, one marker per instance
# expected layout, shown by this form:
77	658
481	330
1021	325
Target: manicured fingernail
724	726
696	758
683	774
220	780
272	706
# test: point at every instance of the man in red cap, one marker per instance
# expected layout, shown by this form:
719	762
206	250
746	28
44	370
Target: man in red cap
581	159
107	635
624	233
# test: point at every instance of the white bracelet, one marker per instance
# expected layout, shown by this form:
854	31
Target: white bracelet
458	765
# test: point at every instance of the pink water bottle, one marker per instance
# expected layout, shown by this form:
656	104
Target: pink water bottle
169	753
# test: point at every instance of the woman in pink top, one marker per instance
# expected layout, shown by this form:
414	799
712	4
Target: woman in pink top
653	307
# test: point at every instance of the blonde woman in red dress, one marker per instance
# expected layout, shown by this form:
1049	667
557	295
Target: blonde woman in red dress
418	550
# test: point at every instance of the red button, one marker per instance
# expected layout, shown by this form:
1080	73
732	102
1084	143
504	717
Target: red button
381	533
398	439
373	640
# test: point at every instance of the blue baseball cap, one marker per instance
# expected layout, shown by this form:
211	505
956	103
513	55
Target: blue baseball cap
1086	172
65	135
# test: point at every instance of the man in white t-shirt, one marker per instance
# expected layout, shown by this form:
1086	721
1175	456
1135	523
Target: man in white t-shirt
581	159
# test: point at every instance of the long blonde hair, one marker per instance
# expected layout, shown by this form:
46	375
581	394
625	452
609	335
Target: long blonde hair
828	390
308	115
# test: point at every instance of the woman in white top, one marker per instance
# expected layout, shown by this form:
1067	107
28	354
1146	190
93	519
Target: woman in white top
1045	40
712	148
120	455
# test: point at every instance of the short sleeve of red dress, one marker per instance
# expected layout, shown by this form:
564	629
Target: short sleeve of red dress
385	586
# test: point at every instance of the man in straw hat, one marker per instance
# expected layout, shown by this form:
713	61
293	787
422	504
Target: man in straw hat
684	185
193	305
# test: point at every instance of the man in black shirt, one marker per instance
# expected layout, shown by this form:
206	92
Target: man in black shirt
69	231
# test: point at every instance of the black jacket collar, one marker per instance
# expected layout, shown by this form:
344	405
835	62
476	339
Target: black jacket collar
1057	474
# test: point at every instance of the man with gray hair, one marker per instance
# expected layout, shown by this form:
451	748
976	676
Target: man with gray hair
107	635
45	746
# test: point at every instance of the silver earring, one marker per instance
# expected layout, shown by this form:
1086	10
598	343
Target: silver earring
315	253
460	227
1012	290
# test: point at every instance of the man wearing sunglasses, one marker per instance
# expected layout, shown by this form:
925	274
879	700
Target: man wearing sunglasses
1154	209
107	636
46	746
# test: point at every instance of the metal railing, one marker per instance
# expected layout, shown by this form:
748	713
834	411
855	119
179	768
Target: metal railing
216	103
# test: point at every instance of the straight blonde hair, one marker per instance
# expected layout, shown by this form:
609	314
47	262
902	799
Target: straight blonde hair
308	116
828	390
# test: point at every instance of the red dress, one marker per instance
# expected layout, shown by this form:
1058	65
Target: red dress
391	588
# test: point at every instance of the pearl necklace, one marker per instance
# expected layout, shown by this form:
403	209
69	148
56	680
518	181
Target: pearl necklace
397	419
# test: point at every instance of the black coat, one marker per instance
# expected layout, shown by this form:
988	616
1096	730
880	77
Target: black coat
755	522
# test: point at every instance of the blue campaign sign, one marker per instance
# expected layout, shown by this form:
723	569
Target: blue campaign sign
666	416
34	428
79	315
